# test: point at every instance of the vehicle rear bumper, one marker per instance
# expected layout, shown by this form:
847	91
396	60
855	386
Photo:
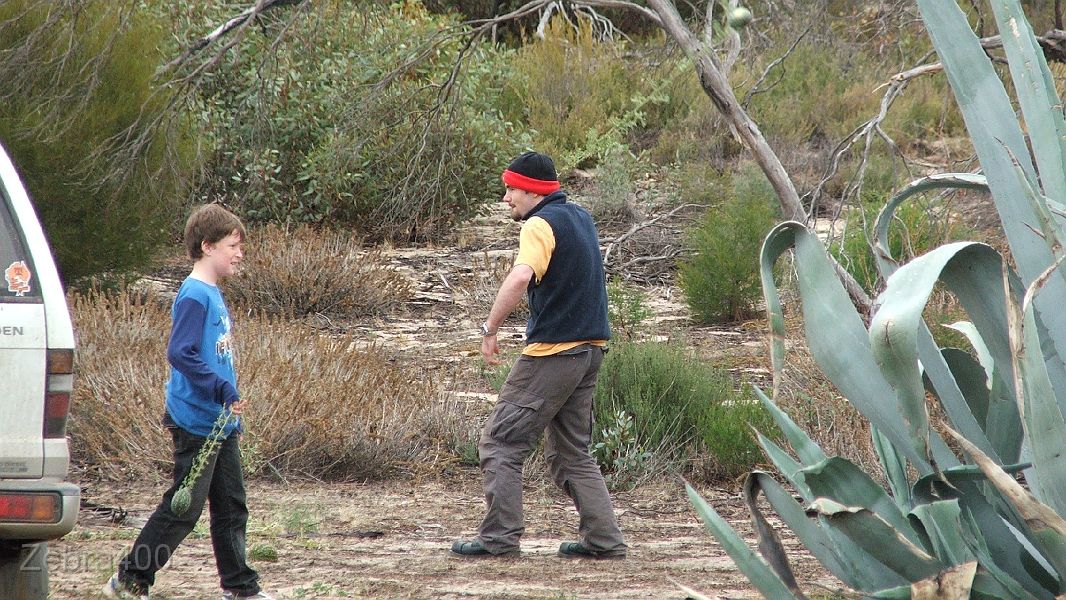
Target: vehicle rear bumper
70	496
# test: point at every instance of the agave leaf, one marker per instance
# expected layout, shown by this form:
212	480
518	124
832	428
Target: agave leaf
895	467
769	544
806	449
786	465
1045	427
886	263
870	531
1002	423
1058	211
986	533
942	522
1036	93
973	382
954	583
897	330
1047	528
842	557
835	334
1052	236
996	135
840	480
971	334
753	566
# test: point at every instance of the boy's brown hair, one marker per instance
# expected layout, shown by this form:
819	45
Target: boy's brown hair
209	223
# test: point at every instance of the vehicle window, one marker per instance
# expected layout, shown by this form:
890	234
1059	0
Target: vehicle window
20	278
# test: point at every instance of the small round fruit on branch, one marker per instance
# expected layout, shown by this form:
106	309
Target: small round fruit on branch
738	17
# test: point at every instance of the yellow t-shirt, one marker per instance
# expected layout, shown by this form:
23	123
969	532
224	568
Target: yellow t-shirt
536	243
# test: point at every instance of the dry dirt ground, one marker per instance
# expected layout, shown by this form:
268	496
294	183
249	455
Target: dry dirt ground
390	539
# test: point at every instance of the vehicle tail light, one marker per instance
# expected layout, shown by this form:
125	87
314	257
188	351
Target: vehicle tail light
57	398
30	508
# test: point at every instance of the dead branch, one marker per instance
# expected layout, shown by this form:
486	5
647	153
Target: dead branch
616	242
756	88
246	16
865	132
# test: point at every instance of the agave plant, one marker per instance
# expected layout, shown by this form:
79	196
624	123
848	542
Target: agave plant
954	522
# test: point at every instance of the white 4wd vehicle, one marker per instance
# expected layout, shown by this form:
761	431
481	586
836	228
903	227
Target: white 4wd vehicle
36	373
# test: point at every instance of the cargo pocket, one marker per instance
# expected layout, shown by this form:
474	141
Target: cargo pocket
516	416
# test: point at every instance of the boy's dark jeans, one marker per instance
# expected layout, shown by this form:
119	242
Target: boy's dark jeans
222	485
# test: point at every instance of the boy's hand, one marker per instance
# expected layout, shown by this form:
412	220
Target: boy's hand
490	349
237	406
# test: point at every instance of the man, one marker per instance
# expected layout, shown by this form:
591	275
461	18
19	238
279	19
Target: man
550	387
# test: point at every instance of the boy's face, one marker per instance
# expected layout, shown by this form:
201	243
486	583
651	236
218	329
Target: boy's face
223	256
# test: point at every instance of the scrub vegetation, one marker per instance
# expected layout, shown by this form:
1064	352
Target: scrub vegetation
362	143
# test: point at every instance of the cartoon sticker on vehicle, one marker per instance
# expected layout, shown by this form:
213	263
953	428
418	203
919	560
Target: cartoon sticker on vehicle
18	278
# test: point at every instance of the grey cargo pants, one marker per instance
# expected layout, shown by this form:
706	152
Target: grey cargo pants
551	394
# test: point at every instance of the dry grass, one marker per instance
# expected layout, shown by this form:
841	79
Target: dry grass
319	406
479	284
306	271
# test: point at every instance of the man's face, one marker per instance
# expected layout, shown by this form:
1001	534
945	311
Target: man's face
520	201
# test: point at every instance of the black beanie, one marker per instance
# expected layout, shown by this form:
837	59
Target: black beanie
533	172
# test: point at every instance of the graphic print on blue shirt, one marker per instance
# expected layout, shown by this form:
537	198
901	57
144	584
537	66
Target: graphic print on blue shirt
200	353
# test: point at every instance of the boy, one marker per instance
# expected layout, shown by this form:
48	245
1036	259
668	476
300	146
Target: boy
202	382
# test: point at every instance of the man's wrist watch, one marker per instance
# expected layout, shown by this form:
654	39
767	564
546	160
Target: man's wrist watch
485	331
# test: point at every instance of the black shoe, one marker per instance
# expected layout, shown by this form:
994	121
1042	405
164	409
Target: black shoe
475	549
579	550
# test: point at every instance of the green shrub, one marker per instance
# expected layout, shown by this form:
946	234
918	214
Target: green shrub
621	455
307	134
616	187
304	271
626	309
90	80
720	279
676	407
580	96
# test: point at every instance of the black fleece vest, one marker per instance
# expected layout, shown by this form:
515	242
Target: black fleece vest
570	302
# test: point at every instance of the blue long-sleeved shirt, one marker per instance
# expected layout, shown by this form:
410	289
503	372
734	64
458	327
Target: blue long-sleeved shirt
200	353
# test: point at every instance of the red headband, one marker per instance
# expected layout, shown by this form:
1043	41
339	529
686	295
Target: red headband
537	186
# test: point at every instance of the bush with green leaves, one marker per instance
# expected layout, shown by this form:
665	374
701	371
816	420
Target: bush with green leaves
582	97
328	126
623	458
88	81
970	440
683	412
627	309
720	279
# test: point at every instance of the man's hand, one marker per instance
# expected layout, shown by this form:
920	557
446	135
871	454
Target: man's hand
490	349
511	292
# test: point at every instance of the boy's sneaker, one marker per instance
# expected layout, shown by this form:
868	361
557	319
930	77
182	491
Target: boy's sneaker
260	596
114	588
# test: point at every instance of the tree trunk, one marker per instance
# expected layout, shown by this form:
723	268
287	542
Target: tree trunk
717	87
